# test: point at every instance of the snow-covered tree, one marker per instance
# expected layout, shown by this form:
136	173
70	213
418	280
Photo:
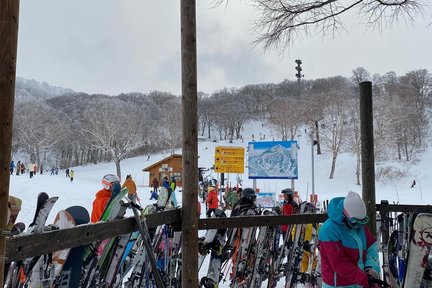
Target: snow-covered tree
115	127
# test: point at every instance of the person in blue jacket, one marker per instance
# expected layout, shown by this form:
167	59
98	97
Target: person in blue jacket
348	250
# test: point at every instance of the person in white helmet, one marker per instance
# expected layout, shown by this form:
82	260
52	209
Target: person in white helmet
348	250
103	196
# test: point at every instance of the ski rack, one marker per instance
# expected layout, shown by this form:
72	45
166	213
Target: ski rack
26	246
21	247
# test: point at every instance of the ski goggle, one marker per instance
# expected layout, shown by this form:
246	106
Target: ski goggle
355	223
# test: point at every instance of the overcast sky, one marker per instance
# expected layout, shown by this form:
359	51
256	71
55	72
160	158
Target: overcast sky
121	46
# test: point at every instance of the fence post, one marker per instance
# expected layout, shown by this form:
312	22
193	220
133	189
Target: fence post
190	145
367	152
9	11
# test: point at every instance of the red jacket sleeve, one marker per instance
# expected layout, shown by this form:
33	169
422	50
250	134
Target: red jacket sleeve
346	271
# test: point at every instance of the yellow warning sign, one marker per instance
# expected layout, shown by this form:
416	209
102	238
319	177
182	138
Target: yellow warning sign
229	159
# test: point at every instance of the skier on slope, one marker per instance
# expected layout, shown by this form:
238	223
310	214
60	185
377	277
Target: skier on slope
103	196
342	238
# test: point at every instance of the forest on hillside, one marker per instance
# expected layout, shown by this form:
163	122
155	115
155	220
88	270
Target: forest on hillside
58	127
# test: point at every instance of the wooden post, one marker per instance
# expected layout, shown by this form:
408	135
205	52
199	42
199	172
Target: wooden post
367	152
9	11
190	144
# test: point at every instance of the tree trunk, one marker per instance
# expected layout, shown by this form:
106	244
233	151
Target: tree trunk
317	138
333	166
203	128
399	150
406	150
358	167
118	169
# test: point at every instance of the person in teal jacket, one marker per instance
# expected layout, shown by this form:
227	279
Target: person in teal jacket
348	250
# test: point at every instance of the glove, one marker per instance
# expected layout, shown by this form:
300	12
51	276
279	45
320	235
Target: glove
370	272
376	282
372	283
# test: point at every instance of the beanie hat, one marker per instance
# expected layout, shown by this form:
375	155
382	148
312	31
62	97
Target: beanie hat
354	207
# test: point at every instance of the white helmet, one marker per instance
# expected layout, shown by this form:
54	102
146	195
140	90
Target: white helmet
108	179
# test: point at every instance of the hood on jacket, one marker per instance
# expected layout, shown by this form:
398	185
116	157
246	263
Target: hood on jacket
335	210
103	193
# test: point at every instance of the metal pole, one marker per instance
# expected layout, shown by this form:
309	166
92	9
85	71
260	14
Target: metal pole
9	12
190	144
367	152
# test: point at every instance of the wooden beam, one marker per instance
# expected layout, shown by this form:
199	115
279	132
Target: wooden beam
401	208
367	153
22	247
9	12
189	144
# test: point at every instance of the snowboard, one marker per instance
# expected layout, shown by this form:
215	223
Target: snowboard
97	255
163	198
14	206
48	267
419	248
71	273
216	255
19	271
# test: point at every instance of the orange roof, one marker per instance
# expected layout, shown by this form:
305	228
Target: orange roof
161	161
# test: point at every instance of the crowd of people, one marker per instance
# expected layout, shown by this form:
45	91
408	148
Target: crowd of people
32	169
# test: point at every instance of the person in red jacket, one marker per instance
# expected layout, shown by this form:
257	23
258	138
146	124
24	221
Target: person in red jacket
103	196
289	206
212	201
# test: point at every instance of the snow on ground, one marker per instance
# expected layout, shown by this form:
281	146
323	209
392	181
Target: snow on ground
87	180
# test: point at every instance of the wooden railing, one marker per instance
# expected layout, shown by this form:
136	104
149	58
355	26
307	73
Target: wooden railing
25	246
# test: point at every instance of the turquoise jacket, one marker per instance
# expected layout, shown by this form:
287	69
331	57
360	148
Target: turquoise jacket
345	252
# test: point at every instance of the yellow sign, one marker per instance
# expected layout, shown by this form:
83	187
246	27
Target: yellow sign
229	159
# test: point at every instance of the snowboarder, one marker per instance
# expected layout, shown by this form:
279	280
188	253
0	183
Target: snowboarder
103	196
130	185
18	168
342	238
67	172
413	184
212	201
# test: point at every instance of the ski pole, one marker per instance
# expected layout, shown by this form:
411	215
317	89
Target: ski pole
142	225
